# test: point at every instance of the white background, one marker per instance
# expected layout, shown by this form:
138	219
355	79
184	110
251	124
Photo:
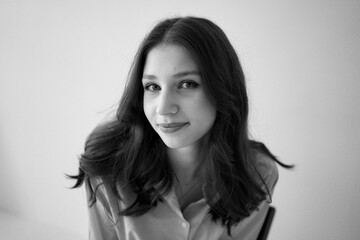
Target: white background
63	65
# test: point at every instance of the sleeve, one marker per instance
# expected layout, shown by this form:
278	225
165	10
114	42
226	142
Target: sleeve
101	224
249	228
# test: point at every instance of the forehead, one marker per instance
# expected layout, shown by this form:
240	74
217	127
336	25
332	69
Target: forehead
169	59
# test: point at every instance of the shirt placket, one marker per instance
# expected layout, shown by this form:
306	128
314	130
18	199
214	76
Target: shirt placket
183	226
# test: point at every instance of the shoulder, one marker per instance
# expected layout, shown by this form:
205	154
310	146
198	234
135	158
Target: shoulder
109	196
99	191
266	167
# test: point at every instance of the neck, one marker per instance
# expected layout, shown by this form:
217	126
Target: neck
189	175
186	163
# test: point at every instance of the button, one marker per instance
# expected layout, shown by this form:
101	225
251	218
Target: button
184	224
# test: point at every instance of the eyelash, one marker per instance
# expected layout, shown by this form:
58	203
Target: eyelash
149	85
192	84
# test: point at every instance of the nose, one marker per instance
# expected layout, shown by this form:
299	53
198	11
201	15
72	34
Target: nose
166	104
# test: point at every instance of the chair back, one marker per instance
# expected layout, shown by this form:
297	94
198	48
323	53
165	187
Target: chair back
267	224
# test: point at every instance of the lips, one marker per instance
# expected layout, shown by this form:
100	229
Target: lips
171	127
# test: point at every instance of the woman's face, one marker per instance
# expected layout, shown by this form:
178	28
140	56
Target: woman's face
175	102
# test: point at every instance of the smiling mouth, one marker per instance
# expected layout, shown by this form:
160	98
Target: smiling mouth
171	127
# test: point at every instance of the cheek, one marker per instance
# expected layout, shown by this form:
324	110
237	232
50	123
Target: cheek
147	110
210	115
207	109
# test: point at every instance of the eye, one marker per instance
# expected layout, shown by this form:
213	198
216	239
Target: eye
152	87
188	84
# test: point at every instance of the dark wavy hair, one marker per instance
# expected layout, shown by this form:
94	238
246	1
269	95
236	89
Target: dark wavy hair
129	152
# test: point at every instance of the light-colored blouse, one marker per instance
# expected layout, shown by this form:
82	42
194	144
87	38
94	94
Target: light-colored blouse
167	221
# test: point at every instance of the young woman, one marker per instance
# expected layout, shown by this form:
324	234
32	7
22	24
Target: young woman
177	161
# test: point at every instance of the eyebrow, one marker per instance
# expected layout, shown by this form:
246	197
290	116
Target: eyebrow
176	75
